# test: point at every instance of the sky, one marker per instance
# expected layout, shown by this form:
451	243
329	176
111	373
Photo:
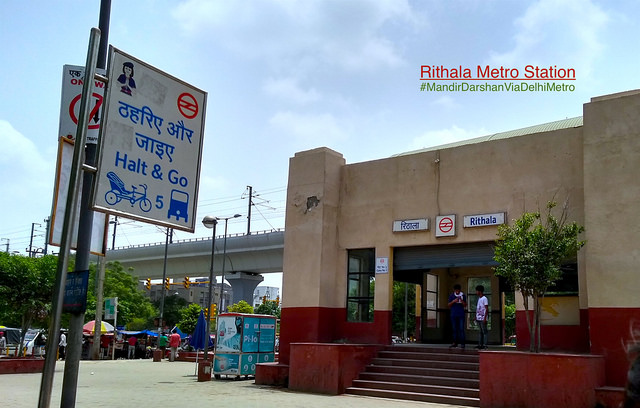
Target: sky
285	76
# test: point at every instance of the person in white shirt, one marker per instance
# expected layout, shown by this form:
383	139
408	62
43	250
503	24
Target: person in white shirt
3	343
62	345
482	313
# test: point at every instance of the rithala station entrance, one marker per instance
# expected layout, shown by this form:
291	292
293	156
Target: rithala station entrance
435	269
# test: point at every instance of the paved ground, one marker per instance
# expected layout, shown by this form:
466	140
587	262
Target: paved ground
143	383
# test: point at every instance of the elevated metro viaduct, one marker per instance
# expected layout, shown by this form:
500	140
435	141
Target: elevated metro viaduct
247	258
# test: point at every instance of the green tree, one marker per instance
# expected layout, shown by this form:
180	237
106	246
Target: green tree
189	317
26	288
133	305
270	307
530	254
241	307
397	317
173	306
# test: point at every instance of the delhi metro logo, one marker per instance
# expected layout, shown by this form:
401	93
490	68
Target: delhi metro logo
446	226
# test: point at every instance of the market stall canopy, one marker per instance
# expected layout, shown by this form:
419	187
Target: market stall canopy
104	327
138	333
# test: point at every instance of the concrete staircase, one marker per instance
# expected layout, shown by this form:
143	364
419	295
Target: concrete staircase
422	373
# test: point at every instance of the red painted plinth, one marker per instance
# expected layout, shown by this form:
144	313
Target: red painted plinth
610	397
327	368
21	365
610	330
539	380
272	374
328	325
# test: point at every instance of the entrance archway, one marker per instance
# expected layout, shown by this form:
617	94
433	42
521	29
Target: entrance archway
436	268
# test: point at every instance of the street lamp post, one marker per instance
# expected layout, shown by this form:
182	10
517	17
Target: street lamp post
210	222
224	258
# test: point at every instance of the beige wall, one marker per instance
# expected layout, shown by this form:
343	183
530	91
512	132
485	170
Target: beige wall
594	167
612	216
360	201
310	245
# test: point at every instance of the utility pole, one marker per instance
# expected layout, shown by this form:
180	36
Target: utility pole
33	225
169	231
100	271
113	239
249	210
46	236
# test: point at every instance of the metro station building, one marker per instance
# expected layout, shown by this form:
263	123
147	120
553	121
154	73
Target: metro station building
430	217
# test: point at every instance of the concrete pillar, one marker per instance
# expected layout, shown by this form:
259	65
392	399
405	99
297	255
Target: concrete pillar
243	285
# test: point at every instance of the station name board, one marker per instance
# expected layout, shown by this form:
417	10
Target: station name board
421	224
483	220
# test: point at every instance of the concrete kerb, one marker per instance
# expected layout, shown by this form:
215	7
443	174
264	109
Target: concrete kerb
142	382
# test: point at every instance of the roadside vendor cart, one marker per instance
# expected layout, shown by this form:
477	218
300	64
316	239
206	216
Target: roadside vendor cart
242	341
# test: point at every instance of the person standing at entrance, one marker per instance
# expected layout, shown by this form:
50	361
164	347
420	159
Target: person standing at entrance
482	313
457	304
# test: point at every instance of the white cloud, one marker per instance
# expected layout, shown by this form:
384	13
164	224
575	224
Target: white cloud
18	149
300	34
444	136
289	89
446	102
563	33
27	178
309	130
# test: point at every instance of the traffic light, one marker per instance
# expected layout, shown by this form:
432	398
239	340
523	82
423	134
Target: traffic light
206	313
278	300
167	285
148	284
187	282
214	308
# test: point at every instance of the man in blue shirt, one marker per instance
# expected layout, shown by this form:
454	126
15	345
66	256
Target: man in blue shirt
457	304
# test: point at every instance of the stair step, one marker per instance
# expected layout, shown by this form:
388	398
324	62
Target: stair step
418	388
426	380
421	371
415	396
469	350
402	355
450	365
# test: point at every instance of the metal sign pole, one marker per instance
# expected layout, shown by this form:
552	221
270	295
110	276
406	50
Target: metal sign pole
70	215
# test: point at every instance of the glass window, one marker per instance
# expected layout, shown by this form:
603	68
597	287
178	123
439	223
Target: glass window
432	320
361	280
567	285
472	299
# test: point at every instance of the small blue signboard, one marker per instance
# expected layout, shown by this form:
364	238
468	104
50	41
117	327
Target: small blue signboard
75	292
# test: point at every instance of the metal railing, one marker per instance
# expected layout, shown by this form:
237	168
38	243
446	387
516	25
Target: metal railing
239	234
